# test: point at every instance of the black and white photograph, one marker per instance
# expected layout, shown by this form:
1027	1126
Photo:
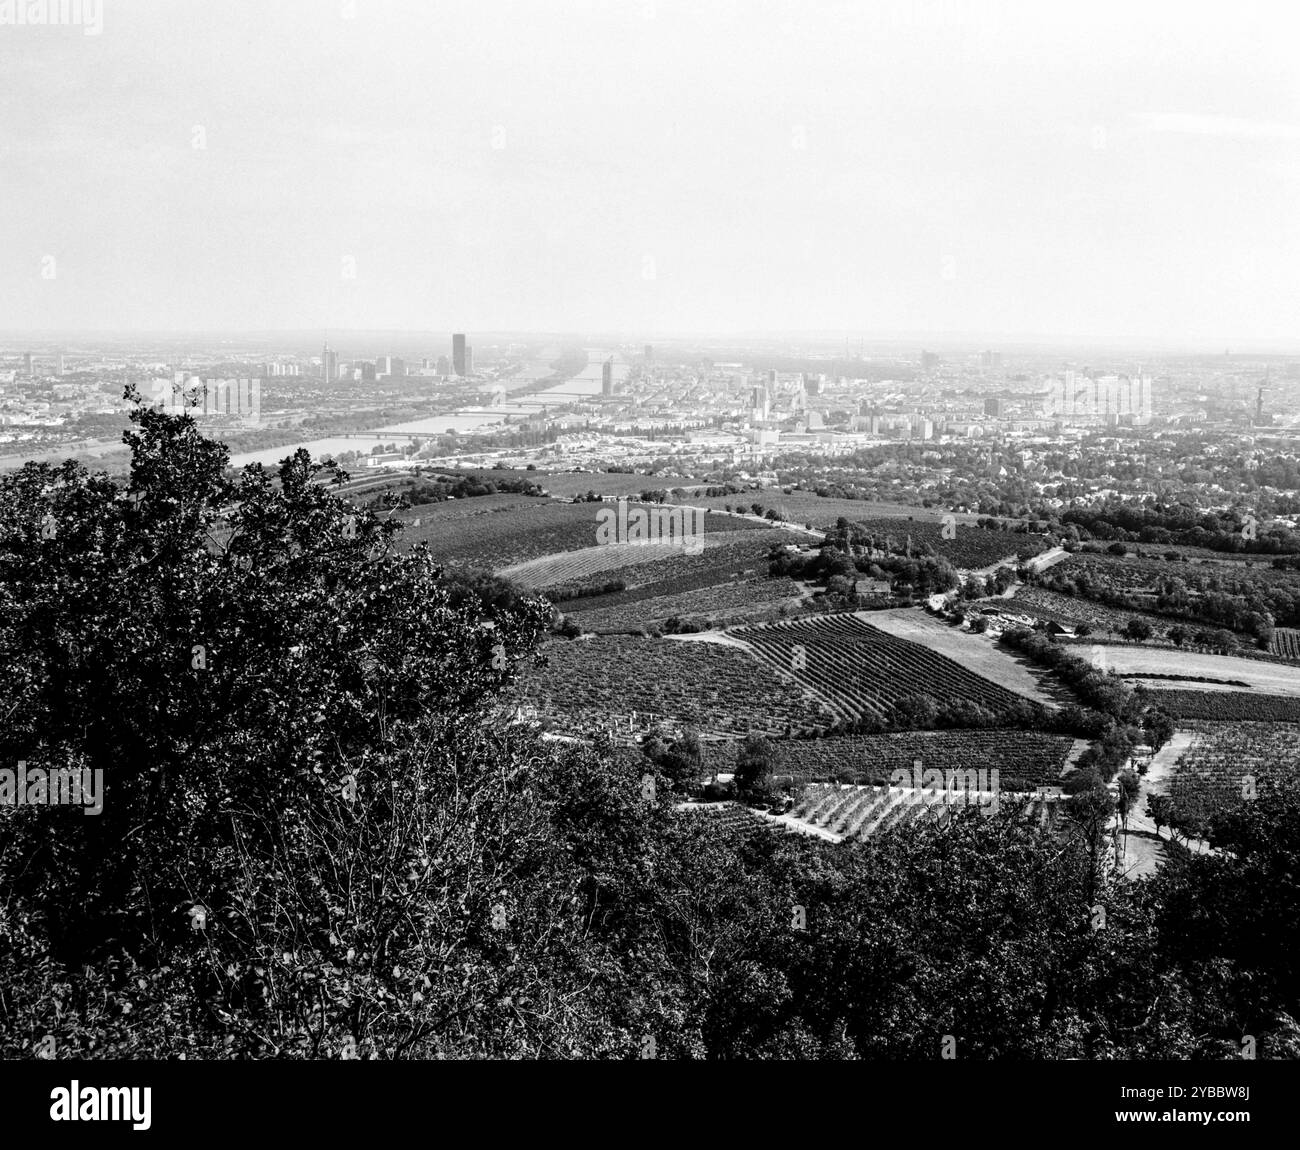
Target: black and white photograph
749	545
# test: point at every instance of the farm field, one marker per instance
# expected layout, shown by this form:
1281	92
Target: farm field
497	531
1224	706
722	600
490	530
1024	759
1208	775
971	548
862	670
1285	642
1259	675
1052	606
805	507
580	565
976	652
1255	582
717	689
570	485
860	812
744	557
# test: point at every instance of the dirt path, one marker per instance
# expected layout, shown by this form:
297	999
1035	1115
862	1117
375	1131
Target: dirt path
719	637
1144	848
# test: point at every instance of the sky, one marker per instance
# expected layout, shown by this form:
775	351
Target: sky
1096	170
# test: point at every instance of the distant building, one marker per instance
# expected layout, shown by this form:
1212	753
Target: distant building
444	365
607	377
27	365
369	372
929	361
59	367
995	406
991	360
458	353
329	364
649	353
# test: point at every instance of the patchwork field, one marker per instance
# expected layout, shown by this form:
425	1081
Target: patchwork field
584	563
724	600
595	682
1221	705
1210	774
1261	676
1285	642
970	548
1024	759
861	670
741	558
1052	606
506	531
976	652
860	812
805	507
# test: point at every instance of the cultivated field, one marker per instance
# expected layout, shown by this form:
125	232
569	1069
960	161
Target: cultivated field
976	652
1258	675
582	564
1224	705
1209	776
742	557
862	670
1024	759
859	812
496	530
716	688
805	507
505	531
725	600
567	485
970	548
1052	606
1285	642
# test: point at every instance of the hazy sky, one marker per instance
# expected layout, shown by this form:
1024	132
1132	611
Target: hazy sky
1088	169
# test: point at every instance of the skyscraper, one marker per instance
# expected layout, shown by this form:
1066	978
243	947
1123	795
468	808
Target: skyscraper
458	353
607	377
329	364
27	364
